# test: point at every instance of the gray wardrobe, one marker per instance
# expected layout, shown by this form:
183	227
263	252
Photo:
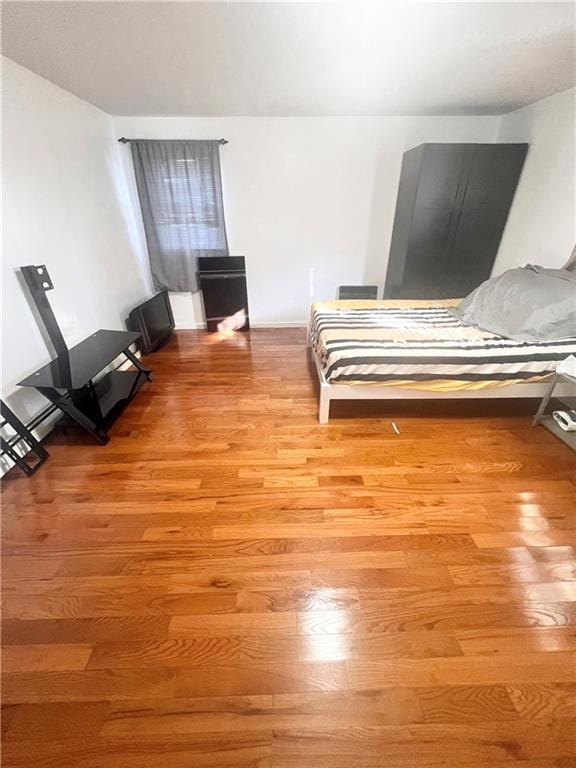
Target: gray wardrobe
452	206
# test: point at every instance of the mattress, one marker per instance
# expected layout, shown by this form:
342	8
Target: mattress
420	345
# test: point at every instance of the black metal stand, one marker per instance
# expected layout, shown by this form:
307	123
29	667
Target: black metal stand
567	401
23	434
78	381
91	400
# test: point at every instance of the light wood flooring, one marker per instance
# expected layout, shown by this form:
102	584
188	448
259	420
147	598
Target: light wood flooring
228	583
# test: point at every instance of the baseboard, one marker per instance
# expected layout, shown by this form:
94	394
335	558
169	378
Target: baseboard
271	324
282	324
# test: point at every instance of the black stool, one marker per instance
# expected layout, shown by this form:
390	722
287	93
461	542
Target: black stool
358	292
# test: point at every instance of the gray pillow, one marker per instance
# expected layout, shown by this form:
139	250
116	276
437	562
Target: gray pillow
526	304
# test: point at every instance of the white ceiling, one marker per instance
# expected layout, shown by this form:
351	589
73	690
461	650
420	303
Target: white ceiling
285	58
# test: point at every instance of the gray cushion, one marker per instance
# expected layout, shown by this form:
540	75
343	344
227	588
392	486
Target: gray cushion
527	304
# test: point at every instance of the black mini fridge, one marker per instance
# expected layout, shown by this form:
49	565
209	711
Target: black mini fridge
222	280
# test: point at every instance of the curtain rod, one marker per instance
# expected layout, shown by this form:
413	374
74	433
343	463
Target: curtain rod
124	140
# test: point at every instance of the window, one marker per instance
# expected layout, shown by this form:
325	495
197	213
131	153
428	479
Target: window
180	191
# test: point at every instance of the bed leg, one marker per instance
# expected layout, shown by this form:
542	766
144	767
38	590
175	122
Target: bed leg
324	406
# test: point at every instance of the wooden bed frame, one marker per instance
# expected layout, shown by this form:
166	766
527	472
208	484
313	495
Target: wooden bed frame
329	392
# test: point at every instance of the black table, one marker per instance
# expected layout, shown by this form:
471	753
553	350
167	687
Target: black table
71	381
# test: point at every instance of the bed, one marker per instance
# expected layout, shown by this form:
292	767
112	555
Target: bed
417	349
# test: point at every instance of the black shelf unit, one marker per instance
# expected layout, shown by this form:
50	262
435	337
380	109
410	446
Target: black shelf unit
78	389
115	390
222	280
80	381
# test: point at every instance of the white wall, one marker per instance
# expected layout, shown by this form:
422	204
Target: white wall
541	228
304	194
61	208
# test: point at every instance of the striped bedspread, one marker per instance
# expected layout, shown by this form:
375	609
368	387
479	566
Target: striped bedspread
419	344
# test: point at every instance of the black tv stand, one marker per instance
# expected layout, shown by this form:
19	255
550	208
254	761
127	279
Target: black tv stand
73	384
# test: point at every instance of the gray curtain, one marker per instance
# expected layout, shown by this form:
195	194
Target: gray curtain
180	191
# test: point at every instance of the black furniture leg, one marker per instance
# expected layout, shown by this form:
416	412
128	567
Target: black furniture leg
138	364
142	371
17	459
26	436
67	406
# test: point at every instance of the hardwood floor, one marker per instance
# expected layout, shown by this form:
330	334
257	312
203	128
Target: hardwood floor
228	583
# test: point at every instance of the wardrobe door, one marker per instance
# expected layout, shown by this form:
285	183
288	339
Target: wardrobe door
440	188
488	194
407	190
